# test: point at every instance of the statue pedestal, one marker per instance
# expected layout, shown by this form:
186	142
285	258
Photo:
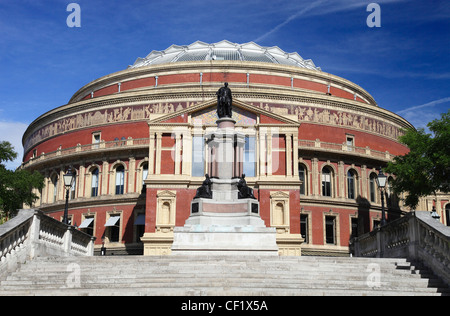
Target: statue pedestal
220	228
225	224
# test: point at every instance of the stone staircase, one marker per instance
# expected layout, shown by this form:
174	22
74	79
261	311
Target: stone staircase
221	276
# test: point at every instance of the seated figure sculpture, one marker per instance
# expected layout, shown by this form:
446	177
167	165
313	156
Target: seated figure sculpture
245	192
205	190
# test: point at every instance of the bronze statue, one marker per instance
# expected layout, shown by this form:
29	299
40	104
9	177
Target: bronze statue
244	191
205	190
224	101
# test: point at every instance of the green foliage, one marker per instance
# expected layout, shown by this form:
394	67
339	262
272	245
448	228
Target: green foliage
7	153
425	170
16	186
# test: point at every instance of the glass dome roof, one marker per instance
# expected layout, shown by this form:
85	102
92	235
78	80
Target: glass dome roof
224	50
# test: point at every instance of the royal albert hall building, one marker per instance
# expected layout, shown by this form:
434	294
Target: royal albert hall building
314	144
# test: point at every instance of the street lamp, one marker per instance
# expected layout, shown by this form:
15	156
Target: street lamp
381	182
435	214
69	178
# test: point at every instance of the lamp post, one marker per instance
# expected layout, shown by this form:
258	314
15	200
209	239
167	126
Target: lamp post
435	214
381	182
69	178
103	249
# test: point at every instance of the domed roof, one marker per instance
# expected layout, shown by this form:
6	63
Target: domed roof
224	50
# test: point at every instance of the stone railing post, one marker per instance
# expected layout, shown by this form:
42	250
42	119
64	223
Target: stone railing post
67	244
414	238
90	249
34	234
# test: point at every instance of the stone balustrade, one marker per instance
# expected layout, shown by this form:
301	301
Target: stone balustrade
142	142
129	143
343	148
416	236
32	234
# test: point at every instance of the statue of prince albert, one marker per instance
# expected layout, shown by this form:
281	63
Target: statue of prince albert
224	101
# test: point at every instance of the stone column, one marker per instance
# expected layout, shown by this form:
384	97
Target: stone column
158	153
151	154
288	154
315	176
295	154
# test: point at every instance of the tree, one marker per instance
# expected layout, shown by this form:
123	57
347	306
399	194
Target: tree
16	186
425	170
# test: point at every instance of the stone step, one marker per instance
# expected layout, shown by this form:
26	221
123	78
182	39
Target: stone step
231	275
87	273
229	281
235	286
217	291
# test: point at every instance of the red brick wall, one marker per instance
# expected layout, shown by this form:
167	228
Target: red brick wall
337	135
84	137
223	77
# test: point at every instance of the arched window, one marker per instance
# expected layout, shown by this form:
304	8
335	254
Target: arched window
302	177
373	187
351	184
144	174
55	183
74	185
94	182
120	179
326	181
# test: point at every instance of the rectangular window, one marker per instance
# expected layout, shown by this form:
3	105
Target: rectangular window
350	142
87	226
250	156
113	228
139	225
330	230
354	232
96	137
198	160
304	231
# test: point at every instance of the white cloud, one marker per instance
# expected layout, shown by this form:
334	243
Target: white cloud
13	132
322	7
426	105
290	18
421	115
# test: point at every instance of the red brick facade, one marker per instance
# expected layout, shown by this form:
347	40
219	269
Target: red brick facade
140	141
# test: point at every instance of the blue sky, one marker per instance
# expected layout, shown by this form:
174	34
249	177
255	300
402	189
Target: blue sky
404	64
